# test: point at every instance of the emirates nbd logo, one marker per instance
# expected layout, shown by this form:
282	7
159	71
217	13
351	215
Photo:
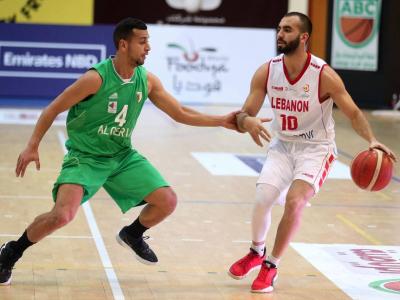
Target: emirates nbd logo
387	285
357	21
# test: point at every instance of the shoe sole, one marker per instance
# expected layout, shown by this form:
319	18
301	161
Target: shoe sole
268	289
245	275
125	245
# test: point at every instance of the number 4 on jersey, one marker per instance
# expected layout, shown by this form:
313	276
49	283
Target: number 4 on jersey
121	117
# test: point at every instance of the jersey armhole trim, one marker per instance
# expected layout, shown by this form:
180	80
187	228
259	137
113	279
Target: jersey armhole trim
321	100
97	71
266	80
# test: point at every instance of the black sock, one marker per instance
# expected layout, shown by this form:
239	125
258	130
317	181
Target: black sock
21	244
136	229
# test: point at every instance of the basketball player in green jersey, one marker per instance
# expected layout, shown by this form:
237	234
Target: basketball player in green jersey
104	105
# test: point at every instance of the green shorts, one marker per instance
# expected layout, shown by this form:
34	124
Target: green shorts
128	178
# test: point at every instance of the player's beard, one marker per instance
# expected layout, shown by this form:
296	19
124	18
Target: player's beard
289	47
135	62
139	61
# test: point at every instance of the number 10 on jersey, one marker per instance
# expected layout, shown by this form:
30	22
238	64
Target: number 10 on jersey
289	122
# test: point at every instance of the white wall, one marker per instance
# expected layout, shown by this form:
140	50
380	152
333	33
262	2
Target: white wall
298	5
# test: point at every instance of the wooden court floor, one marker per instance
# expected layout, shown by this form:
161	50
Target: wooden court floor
209	230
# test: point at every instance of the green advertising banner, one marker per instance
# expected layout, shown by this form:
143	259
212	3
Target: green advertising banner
355	35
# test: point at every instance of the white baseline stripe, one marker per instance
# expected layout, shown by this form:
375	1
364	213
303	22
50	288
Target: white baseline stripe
192	240
105	259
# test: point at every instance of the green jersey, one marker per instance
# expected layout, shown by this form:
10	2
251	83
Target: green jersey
102	124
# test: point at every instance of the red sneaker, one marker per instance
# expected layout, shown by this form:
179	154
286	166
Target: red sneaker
245	265
264	283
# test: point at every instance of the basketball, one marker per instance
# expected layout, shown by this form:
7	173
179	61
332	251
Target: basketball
371	170
356	30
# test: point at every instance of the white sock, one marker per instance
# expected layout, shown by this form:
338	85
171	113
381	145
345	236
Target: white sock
258	248
273	260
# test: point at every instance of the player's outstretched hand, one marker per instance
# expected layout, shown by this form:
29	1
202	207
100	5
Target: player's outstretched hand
378	145
26	156
255	128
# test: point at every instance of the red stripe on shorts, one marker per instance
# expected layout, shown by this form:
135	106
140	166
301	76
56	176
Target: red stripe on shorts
327	166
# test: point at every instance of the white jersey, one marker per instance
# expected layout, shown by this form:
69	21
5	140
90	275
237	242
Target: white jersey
300	114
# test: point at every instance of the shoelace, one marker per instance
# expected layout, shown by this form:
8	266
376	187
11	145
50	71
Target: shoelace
144	244
145	248
245	260
138	241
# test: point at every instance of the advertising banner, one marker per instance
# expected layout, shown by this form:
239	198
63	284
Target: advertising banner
40	61
208	65
48	60
196	64
370	272
252	13
72	12
355	35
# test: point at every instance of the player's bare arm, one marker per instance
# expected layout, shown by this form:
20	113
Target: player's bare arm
86	85
168	104
246	119
333	86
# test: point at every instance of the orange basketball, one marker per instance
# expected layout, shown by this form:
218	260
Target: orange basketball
356	30
372	170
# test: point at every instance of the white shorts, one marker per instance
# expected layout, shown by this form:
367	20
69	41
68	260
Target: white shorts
288	161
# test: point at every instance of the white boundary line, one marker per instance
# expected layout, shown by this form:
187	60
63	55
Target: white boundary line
192	240
94	229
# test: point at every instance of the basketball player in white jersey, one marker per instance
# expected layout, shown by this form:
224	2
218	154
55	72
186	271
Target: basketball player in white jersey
301	89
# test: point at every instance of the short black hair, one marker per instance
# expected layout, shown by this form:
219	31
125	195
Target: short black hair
306	25
123	30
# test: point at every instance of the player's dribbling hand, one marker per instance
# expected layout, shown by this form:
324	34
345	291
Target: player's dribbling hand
377	145
26	156
256	129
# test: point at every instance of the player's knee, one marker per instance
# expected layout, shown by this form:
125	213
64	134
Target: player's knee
266	194
295	204
59	219
170	201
